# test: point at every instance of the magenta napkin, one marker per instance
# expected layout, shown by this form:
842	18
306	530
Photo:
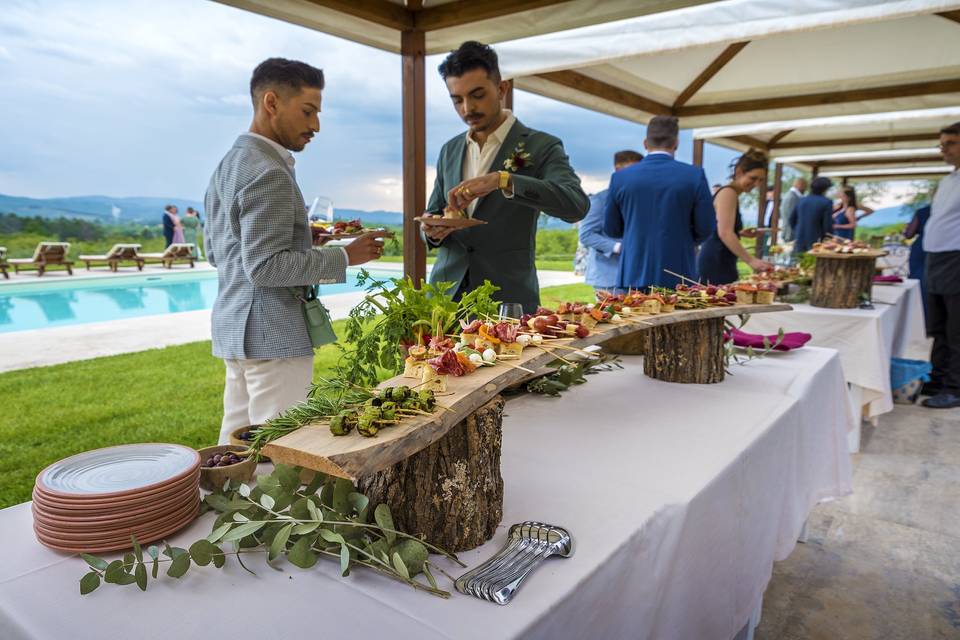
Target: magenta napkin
887	279
793	340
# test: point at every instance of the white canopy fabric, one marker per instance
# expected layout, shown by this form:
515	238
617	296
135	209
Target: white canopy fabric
861	133
740	61
889	173
448	23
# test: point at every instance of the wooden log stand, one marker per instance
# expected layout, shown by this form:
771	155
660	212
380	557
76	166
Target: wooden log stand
451	493
689	352
842	281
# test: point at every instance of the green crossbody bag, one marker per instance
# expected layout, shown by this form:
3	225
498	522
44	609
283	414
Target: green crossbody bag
315	315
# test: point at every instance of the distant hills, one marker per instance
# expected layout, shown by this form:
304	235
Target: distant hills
148	210
887	216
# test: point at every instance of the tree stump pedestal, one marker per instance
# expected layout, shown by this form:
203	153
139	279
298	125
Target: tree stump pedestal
842	281
689	352
451	493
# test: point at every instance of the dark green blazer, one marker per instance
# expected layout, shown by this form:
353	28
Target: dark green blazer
502	250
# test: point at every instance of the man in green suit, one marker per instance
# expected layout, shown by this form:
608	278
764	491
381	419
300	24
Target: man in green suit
501	172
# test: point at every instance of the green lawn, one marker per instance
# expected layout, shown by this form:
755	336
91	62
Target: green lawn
162	395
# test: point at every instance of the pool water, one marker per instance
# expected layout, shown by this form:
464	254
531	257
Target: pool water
45	305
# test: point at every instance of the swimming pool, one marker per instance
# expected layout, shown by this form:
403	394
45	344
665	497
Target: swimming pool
45	305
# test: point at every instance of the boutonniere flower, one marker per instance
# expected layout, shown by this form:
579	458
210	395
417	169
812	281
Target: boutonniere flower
519	159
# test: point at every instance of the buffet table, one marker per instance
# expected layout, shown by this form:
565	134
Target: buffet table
679	499
865	338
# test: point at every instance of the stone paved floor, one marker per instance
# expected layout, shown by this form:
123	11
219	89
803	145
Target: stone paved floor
884	562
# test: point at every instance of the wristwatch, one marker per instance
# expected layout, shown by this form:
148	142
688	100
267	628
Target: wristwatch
504	180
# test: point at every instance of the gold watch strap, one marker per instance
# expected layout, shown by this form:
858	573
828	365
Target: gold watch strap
504	179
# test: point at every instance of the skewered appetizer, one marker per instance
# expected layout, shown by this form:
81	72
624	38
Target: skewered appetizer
840	245
387	406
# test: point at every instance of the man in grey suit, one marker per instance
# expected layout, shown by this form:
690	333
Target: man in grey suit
258	237
499	171
789	204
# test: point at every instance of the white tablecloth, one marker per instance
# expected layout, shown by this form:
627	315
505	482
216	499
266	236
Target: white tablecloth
865	338
679	498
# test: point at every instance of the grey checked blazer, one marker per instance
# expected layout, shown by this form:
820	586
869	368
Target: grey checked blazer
258	237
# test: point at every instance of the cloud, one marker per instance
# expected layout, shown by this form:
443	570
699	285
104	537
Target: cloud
5	53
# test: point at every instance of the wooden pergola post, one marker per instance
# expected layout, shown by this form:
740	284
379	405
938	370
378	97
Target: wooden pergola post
508	97
777	188
698	152
413	51
761	215
815	172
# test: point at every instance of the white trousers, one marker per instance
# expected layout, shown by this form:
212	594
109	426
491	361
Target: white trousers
257	390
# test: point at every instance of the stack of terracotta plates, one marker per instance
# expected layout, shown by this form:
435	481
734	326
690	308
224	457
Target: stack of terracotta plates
94	501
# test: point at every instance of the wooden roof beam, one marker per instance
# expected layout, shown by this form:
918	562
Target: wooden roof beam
462	12
597	88
750	141
953	16
819	99
847	162
778	137
933	136
379	12
712	69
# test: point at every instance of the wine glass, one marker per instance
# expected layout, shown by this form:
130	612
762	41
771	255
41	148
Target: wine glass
510	311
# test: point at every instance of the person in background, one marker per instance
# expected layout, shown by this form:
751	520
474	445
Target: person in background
789	204
812	218
170	223
941	241
662	209
603	252
917	255
845	214
717	262
258	238
768	209
191	229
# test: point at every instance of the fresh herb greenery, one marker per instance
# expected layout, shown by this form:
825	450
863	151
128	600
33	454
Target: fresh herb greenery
396	312
281	517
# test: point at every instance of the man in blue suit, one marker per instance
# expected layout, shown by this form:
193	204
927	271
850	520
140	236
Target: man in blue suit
603	252
168	226
662	209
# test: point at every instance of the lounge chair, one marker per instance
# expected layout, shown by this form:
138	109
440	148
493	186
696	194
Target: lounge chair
176	252
117	254
3	262
45	255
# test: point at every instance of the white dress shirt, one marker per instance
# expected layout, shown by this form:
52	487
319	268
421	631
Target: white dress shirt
282	150
942	232
477	161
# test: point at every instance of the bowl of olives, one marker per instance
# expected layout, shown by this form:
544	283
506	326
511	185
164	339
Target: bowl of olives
243	437
225	462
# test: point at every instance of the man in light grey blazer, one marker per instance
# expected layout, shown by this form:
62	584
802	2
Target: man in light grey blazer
258	237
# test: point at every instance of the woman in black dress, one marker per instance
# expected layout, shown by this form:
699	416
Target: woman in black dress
717	263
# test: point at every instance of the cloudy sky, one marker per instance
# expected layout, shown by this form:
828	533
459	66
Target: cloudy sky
139	98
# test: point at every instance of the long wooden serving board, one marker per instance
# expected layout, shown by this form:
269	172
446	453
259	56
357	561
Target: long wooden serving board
354	456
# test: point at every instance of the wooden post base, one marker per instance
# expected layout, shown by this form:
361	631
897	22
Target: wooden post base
690	352
631	344
451	493
842	283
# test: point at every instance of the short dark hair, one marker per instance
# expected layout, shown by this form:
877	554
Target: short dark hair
663	132
627	156
280	73
169	207
820	185
952	129
469	56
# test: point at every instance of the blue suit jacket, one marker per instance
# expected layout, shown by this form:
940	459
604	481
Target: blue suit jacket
167	229
811	220
602	263
662	209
